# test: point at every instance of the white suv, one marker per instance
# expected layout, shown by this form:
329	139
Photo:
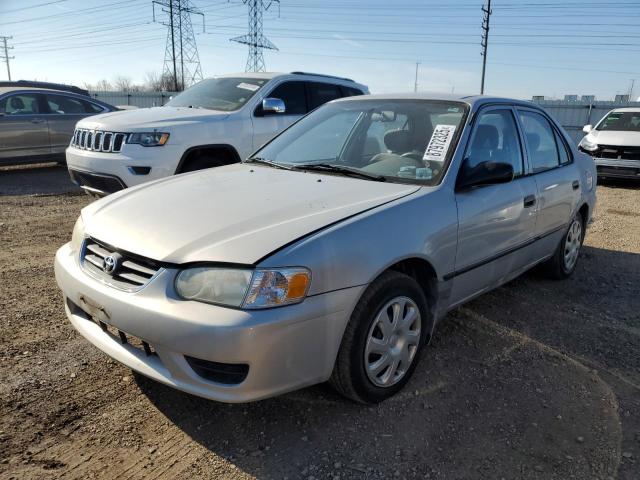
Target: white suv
216	122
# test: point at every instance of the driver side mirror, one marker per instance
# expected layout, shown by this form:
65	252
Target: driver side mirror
485	173
273	105
587	128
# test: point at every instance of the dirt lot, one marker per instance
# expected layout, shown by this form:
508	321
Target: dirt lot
539	379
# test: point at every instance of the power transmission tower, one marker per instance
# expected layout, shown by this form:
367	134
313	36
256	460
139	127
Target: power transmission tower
485	40
255	39
181	58
6	56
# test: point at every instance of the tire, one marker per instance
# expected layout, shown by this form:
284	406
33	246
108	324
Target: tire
350	376
562	264
205	161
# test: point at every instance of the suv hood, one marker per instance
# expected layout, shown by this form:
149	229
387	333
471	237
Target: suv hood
145	118
238	213
615	138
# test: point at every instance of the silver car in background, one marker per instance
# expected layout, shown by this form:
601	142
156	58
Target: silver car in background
37	123
333	251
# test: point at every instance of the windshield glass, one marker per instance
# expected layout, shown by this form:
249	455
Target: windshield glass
621	122
403	140
225	94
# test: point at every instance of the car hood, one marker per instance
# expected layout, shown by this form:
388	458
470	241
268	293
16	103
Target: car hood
616	138
238	213
145	118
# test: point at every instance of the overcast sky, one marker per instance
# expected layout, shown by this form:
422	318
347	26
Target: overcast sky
546	47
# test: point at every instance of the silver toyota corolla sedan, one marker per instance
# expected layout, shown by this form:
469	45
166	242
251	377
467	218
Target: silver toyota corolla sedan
333	251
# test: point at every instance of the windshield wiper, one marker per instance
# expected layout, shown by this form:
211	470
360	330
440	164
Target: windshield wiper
349	171
270	163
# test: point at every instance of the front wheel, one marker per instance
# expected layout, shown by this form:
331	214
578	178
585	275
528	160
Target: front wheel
382	342
565	259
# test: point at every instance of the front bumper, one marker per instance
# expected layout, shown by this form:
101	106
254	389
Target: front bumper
285	348
618	168
125	166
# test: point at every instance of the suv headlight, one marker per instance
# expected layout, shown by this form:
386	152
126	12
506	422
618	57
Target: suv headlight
77	237
148	139
244	288
587	145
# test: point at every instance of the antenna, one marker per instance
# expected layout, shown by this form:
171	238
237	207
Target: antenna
255	39
181	59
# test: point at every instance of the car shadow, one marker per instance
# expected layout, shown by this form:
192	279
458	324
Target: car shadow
619	183
40	179
484	401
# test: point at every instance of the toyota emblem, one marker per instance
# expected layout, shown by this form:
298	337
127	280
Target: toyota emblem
110	264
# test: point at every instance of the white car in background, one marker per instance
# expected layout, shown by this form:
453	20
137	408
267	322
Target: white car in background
614	144
216	122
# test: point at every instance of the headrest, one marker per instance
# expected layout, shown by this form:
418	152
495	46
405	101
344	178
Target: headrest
487	137
397	140
17	103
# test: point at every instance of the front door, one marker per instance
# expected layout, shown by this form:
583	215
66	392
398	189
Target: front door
23	127
496	223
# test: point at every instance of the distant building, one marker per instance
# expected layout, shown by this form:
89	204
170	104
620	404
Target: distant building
588	98
622	98
537	98
571	98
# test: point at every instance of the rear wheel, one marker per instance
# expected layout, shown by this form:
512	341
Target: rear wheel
565	259
382	342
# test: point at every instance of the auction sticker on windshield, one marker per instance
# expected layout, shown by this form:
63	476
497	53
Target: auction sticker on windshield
248	86
439	143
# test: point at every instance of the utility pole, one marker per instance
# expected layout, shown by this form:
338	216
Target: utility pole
633	82
485	40
415	84
185	54
6	56
254	38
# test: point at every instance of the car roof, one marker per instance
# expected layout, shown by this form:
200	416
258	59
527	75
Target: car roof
472	100
4	90
627	109
298	75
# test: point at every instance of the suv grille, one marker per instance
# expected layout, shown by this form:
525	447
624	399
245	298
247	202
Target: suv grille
98	140
128	272
614	152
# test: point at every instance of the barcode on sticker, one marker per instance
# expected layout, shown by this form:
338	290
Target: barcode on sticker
439	143
248	86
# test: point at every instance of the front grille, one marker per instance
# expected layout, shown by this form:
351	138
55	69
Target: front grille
97	182
130	272
621	153
98	140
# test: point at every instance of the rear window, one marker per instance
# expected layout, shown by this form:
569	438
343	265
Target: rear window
321	93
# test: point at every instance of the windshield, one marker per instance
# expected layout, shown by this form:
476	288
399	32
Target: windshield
402	140
621	122
225	94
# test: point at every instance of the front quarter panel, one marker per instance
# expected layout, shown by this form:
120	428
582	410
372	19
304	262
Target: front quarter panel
355	251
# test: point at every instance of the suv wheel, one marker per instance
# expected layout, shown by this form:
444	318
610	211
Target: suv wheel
382	342
206	160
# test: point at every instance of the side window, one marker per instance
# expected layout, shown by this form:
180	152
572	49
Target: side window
63	105
293	96
496	139
20	104
321	93
541	141
92	107
562	148
350	91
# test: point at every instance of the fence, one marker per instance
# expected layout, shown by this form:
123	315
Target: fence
573	115
135	99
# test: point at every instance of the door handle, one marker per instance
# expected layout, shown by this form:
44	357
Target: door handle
37	120
529	201
575	185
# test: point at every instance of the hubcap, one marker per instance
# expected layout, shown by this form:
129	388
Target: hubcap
392	342
572	244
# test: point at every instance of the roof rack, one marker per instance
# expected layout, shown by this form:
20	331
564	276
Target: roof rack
323	75
53	86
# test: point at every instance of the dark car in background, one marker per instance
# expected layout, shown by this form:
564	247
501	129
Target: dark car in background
37	119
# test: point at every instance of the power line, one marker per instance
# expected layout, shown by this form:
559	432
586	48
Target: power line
6	56
254	38
485	41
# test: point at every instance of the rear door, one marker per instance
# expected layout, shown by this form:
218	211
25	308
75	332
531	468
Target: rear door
496	223
551	166
23	126
267	124
64	112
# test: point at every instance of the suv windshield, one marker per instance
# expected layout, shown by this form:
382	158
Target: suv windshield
401	140
225	94
621	122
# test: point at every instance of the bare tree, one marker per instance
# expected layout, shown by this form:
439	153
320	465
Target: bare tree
103	85
123	83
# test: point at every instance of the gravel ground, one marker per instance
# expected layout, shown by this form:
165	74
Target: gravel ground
536	380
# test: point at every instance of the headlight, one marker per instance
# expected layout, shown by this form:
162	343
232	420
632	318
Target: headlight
244	288
77	237
588	145
148	139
